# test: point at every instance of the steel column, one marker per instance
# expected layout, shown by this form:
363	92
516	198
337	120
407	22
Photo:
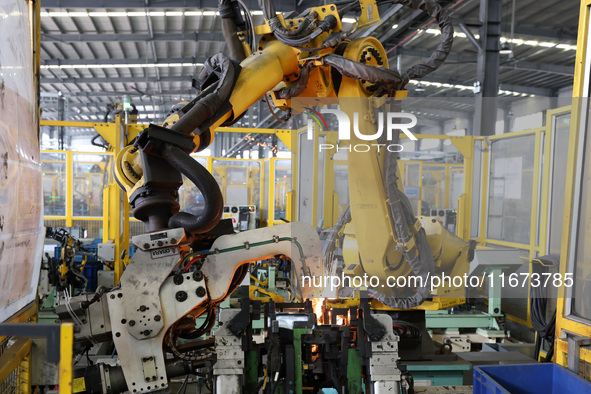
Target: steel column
487	71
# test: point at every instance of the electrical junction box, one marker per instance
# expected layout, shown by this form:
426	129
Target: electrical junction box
106	252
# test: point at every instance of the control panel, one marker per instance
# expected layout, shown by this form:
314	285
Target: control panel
447	217
243	216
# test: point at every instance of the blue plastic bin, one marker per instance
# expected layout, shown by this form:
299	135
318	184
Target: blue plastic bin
546	378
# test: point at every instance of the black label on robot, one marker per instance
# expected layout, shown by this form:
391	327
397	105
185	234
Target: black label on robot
159	253
157	236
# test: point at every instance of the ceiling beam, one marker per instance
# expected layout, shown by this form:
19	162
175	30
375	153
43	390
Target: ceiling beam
569	71
562	33
440	113
378	29
402	26
471	58
520	89
544	92
186	78
131	93
134	37
461	57
74	62
423	121
280	5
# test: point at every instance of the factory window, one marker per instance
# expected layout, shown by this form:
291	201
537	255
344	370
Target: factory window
320	184
411	180
90	176
527	122
433	188
282	180
341	186
306	170
561	125
456	185
266	191
510	189
476	189
581	301
239	180
53	166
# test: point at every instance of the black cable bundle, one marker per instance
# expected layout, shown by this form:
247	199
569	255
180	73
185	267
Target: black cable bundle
402	217
538	303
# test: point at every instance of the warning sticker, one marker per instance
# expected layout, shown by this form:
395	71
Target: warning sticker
78	385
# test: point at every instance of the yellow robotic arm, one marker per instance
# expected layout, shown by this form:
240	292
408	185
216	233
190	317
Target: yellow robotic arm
305	54
309	56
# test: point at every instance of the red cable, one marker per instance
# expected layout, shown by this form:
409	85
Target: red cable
191	262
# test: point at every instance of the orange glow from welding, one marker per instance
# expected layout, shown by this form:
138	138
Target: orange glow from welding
318	306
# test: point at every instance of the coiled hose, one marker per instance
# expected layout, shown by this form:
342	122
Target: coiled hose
207	185
203	110
402	217
206	107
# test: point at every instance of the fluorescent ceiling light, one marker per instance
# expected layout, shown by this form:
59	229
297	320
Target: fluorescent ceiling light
62	14
516	41
567	47
138	65
421	84
98	14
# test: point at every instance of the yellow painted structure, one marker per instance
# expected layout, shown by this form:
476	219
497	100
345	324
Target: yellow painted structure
473	221
570	324
286	191
113	217
15	362
21	33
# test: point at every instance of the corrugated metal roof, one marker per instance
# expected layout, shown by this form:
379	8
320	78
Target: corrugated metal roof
100	54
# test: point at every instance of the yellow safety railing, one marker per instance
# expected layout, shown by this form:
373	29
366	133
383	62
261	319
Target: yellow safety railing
64	184
16	359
